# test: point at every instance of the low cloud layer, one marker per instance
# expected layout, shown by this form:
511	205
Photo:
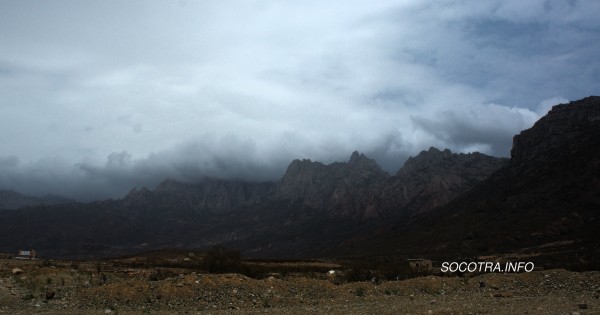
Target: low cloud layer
100	97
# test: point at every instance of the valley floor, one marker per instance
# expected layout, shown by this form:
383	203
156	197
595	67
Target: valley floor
88	288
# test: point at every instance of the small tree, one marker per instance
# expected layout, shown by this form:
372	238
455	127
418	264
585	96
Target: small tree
220	259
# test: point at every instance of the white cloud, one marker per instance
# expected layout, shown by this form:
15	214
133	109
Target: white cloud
547	104
485	128
239	89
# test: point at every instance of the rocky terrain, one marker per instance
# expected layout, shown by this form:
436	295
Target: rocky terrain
62	287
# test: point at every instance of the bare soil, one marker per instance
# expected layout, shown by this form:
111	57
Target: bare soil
99	288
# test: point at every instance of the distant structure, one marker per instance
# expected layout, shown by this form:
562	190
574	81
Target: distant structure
26	254
5	256
421	265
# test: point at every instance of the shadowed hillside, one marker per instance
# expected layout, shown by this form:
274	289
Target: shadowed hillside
545	203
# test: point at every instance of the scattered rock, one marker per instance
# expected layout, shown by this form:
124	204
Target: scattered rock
17	271
224	293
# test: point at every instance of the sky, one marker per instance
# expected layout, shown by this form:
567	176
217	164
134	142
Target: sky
98	97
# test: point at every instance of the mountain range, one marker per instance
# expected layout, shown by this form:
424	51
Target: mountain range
10	199
440	204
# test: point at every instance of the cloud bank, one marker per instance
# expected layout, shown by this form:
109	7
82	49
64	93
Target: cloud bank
100	97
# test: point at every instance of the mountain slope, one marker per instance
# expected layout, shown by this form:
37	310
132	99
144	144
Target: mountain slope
312	209
360	189
435	177
546	201
343	189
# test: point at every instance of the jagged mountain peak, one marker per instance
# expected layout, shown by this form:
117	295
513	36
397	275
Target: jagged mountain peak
356	158
434	177
434	153
324	185
298	164
355	155
435	159
361	161
358	162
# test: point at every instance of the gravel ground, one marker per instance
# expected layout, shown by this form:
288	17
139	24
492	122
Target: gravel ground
37	289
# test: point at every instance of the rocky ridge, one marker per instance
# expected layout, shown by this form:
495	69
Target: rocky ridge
343	189
210	195
564	124
357	189
312	208
435	177
542	205
360	189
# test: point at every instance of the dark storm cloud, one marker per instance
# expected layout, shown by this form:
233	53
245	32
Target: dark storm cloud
100	97
227	158
9	161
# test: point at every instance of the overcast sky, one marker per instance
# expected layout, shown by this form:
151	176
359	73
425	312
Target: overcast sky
97	97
